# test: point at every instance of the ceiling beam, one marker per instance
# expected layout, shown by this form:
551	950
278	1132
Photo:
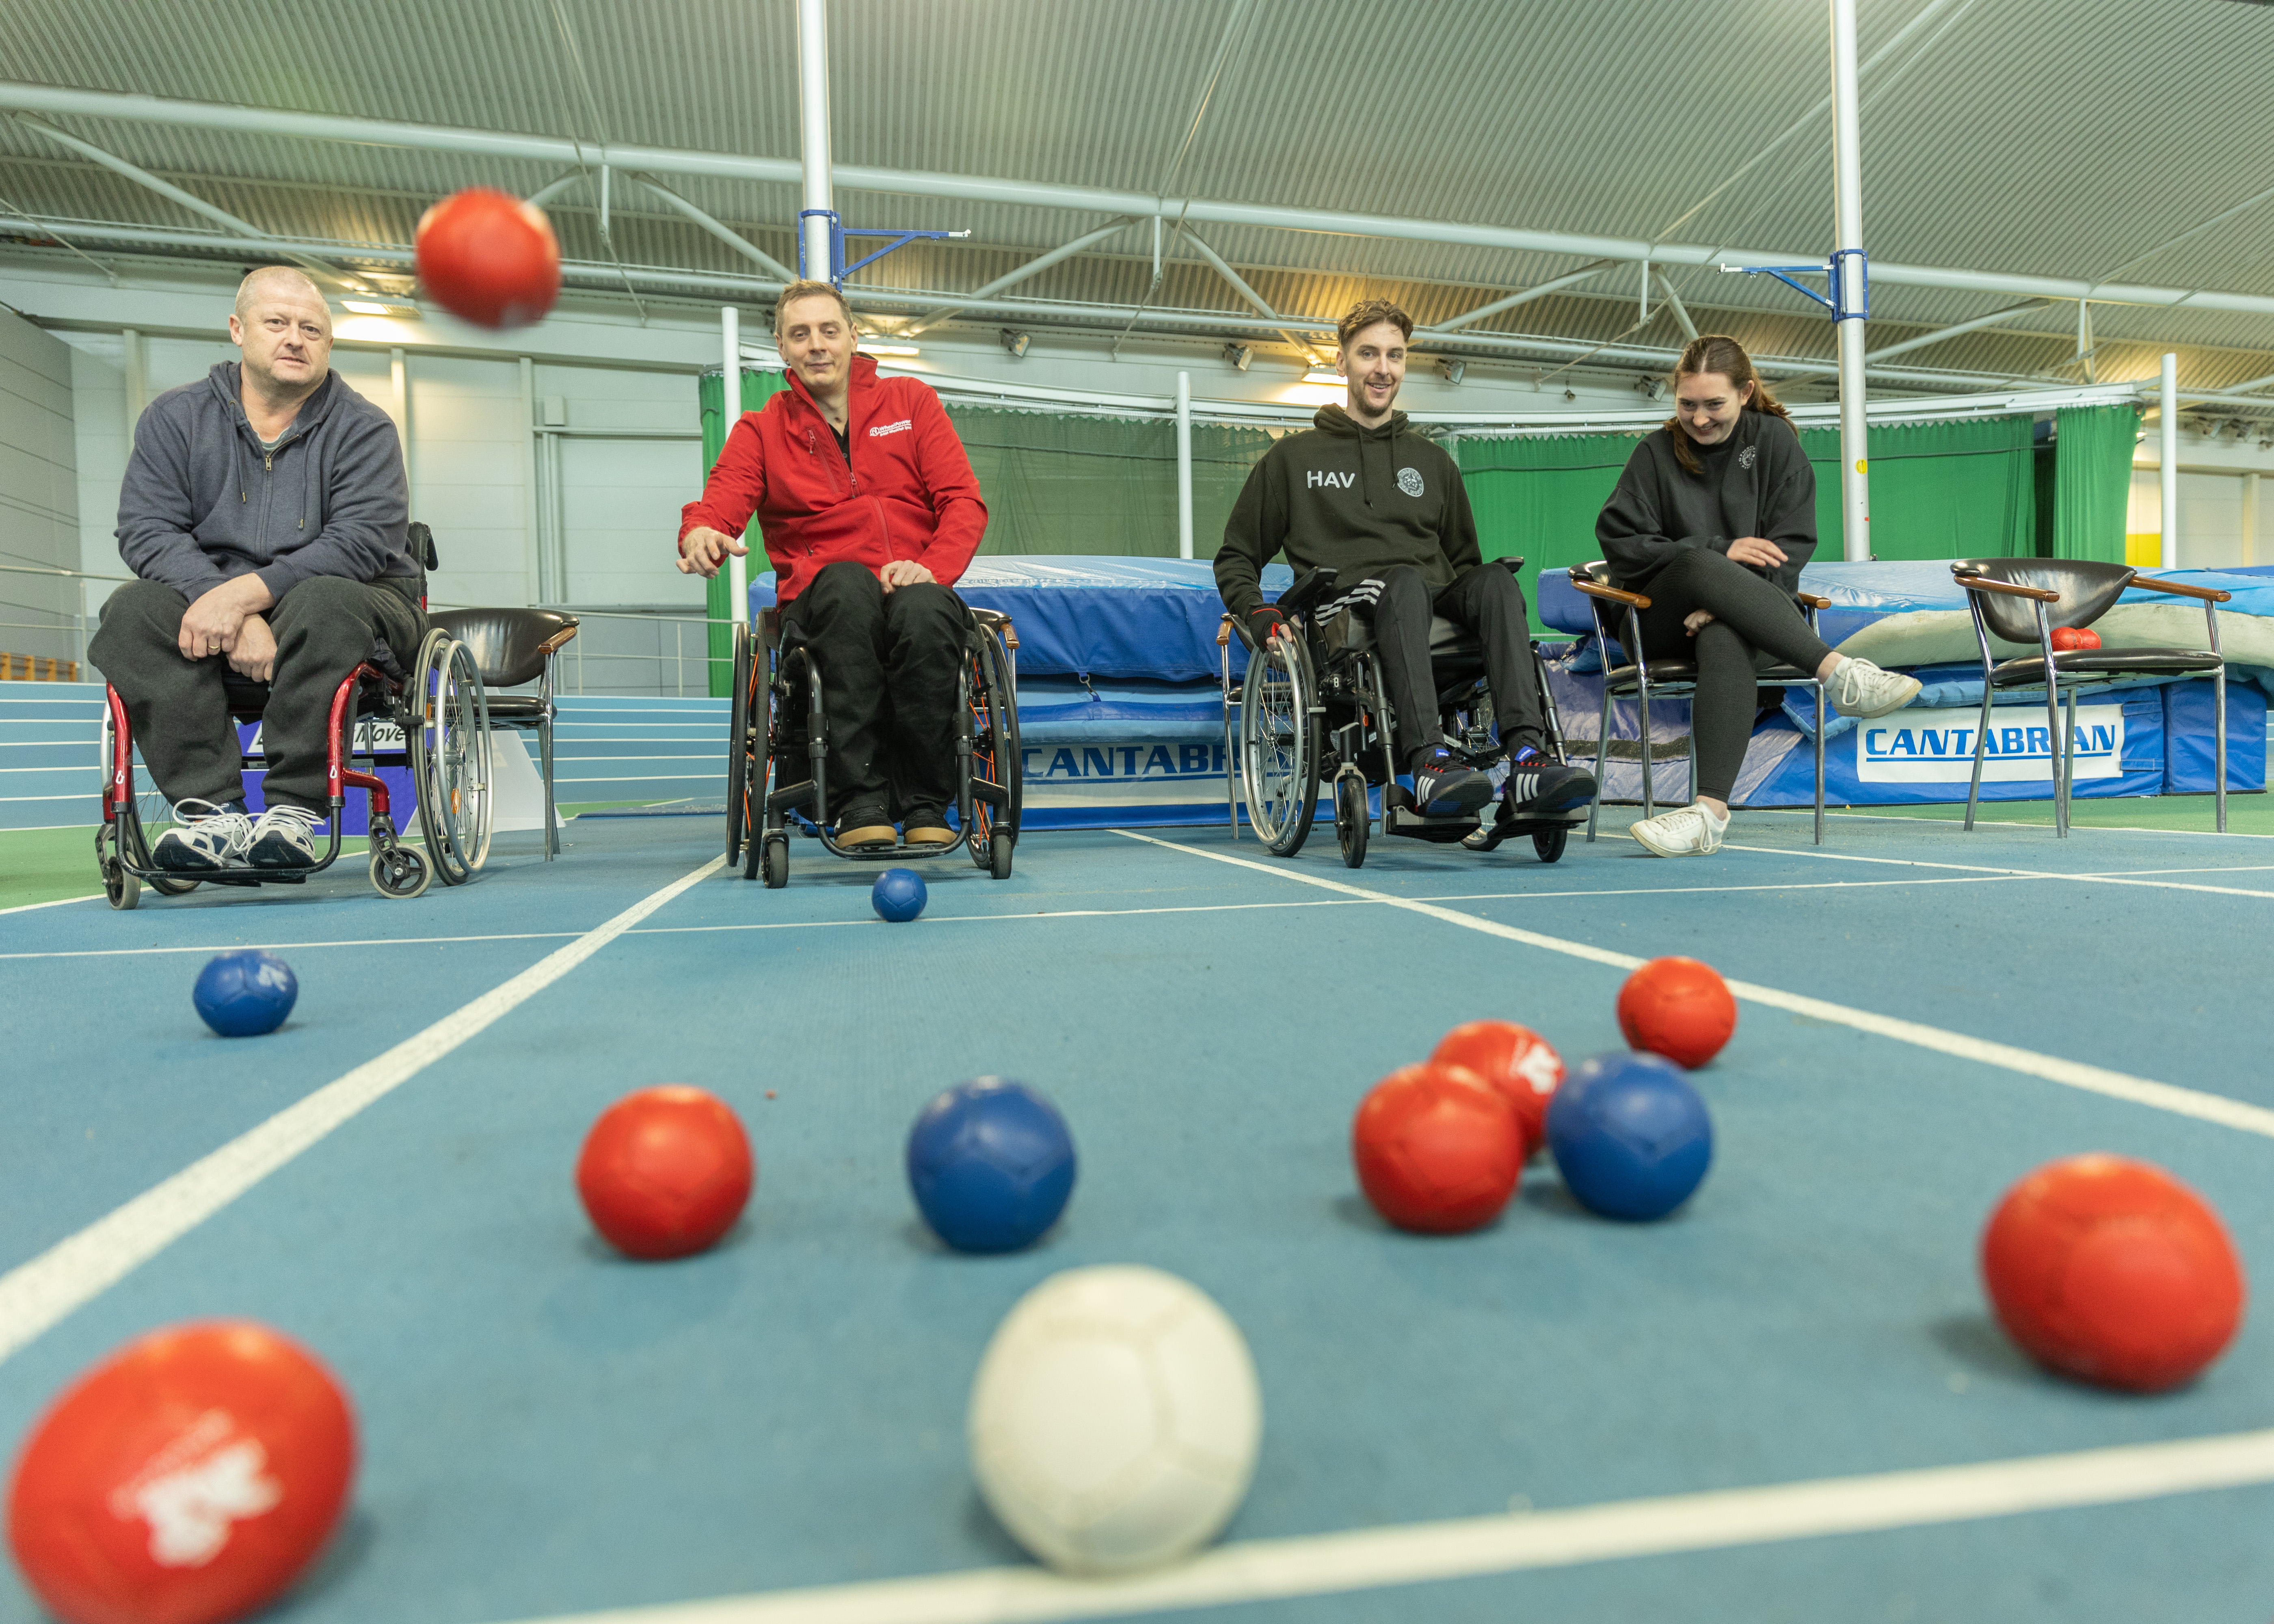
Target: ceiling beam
1014	277
1030	194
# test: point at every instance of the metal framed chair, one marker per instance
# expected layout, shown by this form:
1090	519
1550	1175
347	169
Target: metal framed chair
1642	676
513	647
2023	600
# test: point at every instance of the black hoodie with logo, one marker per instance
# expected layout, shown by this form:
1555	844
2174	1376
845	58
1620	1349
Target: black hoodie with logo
1357	501
1756	482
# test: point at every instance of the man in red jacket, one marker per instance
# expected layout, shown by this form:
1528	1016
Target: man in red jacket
870	512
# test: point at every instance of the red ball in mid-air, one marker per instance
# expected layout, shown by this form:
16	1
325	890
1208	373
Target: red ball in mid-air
188	1478
490	258
1437	1148
665	1171
1679	1008
2112	1271
1514	1059
2075	637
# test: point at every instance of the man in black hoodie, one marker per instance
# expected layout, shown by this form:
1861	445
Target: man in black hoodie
1385	508
266	511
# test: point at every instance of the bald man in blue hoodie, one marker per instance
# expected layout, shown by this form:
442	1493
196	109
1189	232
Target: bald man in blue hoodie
266	515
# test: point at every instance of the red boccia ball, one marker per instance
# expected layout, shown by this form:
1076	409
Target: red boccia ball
187	1480
489	257
2113	1272
1437	1148
1516	1061
665	1171
1679	1008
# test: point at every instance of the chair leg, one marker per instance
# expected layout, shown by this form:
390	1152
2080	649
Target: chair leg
1649	804
545	759
1820	763
1693	748
2218	746
2068	764
1981	744
1602	754
2052	738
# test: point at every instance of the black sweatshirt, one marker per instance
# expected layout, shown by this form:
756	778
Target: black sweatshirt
1356	501
1756	483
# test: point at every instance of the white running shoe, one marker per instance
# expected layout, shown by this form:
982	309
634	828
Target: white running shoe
285	837
1680	833
204	836
1861	689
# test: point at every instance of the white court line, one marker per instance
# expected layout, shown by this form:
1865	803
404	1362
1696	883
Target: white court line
2049	1068
2025	873
280	947
2014	823
1367	1558
35	1295
26	907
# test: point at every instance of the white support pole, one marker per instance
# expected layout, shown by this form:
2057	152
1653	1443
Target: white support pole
2167	446
1855	488
813	130
1184	465
730	405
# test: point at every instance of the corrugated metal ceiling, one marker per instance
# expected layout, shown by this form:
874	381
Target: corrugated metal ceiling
2093	138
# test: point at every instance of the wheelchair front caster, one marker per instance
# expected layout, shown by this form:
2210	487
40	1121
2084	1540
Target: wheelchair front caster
776	860
122	887
1353	819
998	855
400	871
1549	842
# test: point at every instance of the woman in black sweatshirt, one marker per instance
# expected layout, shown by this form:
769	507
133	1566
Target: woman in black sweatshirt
1712	520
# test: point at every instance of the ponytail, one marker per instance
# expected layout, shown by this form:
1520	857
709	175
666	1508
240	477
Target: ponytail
1715	352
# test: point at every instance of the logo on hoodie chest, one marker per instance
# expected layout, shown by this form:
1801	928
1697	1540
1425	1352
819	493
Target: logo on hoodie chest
1332	482
1409	480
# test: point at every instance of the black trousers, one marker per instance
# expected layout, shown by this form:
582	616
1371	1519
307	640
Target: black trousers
888	688
1755	622
325	626
1488	601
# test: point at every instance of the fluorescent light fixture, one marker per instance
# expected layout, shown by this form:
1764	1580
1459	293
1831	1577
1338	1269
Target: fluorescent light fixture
1014	340
365	307
1332	380
890	350
1239	355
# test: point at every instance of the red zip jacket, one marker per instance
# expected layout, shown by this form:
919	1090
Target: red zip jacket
908	493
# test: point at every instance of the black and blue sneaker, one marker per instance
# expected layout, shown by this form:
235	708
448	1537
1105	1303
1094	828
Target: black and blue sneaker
1444	786
1538	785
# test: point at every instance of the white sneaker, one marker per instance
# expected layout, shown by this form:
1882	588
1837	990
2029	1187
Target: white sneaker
204	836
1861	689
1680	833
285	837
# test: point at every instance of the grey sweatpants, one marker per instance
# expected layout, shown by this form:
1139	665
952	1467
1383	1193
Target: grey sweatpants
325	626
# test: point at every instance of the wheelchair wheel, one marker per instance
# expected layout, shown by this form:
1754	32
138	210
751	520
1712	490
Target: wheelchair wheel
133	842
738	747
1353	819
121	889
1549	842
1279	747
399	871
450	755
996	757
777	860
760	827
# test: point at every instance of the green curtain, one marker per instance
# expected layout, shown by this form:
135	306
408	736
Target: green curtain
1539	497
2092	480
1056	482
757	389
1963	489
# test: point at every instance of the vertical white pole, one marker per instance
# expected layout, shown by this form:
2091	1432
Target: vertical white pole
813	129
398	367
730	405
1184	465
1854	492
2251	517
2167	437
542	587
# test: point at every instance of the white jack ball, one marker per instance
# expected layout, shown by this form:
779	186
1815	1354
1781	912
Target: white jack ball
1115	1420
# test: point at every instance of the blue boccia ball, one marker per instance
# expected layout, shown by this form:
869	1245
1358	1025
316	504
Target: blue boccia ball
1630	1135
991	1165
245	993
897	896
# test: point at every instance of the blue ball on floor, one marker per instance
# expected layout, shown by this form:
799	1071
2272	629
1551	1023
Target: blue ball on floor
1630	1135
245	993
897	896
991	1165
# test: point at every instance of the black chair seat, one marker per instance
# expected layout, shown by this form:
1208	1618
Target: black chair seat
517	709
2029	671
508	644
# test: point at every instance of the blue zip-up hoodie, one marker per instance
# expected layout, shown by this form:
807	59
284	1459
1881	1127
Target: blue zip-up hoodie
202	502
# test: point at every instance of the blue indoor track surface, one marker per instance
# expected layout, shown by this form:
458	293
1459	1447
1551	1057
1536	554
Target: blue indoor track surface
548	1430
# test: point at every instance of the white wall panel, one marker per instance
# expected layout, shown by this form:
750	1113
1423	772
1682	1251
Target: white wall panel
38	492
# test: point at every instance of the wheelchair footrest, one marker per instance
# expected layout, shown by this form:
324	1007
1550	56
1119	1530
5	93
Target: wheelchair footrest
1396	820
993	795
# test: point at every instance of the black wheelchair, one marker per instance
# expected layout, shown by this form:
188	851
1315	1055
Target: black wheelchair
1315	707
765	806
432	719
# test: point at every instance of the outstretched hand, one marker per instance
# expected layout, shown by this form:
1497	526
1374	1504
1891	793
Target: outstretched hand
702	550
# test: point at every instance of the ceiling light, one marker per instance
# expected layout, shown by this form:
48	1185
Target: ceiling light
890	350
1239	355
366	307
1452	369
1335	379
1015	341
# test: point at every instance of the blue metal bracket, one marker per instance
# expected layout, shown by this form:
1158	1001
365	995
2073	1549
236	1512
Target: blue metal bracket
1847	275
838	269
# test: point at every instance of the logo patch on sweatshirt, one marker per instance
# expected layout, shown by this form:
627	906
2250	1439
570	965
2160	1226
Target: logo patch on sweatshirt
1409	480
883	429
1315	479
1746	455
